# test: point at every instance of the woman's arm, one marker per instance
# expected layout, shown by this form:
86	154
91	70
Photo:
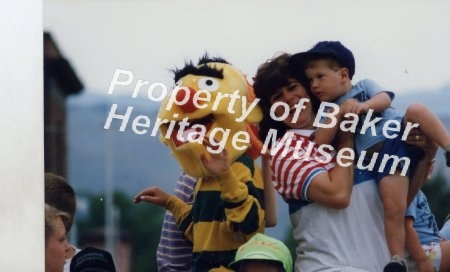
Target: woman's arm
270	199
326	135
423	168
333	189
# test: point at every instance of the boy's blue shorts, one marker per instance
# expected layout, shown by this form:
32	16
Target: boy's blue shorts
397	147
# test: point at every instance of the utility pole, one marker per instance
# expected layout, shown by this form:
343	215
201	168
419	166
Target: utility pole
109	195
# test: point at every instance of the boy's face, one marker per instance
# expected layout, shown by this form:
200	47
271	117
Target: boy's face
327	83
259	266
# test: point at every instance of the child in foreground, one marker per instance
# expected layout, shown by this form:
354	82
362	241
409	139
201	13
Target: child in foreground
445	231
329	68
423	241
262	254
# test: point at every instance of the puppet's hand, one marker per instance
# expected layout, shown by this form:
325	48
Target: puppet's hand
152	195
218	163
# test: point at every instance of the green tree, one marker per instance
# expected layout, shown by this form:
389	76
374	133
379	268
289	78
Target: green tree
438	195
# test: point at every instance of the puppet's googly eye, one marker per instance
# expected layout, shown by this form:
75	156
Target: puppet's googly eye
178	83
208	84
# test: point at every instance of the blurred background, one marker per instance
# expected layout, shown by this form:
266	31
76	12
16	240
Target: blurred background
402	45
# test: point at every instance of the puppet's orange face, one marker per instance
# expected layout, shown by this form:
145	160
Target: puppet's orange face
211	102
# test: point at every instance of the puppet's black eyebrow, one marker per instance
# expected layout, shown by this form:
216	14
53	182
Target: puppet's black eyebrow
203	70
206	59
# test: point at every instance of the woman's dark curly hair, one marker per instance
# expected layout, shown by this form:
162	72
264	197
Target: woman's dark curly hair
270	77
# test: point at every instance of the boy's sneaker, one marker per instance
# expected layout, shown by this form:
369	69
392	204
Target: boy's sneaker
447	155
396	264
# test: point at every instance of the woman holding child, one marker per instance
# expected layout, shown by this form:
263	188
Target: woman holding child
336	212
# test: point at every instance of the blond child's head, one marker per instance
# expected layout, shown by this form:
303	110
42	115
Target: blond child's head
329	67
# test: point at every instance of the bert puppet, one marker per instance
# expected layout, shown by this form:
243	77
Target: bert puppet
208	131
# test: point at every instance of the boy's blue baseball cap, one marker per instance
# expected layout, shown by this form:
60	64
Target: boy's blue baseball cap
332	49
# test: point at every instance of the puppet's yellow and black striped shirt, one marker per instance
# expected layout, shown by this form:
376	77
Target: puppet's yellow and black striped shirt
227	211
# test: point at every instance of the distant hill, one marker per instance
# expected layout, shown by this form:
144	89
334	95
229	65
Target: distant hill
136	161
435	100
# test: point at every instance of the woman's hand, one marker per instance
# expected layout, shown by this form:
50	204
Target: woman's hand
417	138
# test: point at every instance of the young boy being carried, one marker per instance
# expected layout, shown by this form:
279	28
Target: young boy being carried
329	67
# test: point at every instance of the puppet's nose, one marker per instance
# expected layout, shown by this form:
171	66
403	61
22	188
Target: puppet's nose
186	94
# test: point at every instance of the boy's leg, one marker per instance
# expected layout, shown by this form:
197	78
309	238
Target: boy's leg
431	126
393	193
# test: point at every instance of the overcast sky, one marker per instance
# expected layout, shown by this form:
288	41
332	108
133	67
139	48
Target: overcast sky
403	45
